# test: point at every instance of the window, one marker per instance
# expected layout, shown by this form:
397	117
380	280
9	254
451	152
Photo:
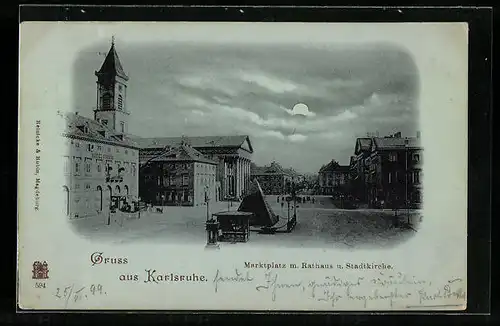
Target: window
185	180
416	177
77	185
158	180
133	169
78	162
109	168
416	158
126	166
117	150
87	186
126	152
77	145
122	126
396	176
88	164
109	149
90	147
98	164
120	88
120	102
99	148
67	166
393	157
390	177
106	101
118	165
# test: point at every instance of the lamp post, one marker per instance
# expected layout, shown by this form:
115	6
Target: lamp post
207	200
139	207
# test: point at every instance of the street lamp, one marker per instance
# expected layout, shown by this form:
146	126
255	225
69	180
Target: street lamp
406	181
207	200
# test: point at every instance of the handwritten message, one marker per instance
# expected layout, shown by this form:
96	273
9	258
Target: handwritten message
386	290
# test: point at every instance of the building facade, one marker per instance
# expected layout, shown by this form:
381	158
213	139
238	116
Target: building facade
333	178
179	176
358	169
101	163
389	171
231	153
273	179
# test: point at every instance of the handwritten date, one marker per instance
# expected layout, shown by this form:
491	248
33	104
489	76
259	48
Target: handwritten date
74	294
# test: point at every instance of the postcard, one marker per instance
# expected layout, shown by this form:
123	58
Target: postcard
242	166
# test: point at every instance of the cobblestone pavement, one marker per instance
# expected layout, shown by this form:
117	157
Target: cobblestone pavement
319	225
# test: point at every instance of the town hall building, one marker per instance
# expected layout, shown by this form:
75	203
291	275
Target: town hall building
101	164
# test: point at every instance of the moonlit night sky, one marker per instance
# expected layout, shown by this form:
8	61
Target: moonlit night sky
208	89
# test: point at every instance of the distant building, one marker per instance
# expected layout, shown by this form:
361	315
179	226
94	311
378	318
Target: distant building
388	170
231	153
180	175
273	179
333	178
358	169
101	163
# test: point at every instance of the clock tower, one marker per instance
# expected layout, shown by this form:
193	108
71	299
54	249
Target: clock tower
112	82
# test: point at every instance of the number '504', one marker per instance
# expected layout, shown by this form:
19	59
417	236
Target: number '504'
40	285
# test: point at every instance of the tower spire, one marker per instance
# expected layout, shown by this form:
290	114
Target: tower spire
112	40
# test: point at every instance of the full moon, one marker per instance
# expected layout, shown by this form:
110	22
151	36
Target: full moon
300	109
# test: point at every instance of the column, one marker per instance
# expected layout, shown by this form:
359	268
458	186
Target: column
224	182
238	176
245	176
248	174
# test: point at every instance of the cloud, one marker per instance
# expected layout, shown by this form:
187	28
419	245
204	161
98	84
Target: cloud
272	84
206	89
298	138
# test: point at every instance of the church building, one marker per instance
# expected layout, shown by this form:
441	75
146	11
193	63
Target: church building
101	164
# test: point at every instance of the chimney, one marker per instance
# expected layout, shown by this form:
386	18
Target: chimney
418	134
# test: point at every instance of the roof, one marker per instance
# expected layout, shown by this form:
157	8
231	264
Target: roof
83	127
196	142
112	65
334	166
291	172
383	143
363	144
182	153
273	169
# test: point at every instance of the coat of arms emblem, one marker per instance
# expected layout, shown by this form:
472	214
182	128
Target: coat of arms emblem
40	270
